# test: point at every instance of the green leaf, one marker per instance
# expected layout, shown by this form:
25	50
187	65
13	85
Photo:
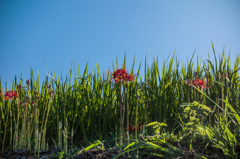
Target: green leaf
152	123
130	145
236	115
91	146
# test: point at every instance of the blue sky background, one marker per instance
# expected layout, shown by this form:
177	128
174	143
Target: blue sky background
100	31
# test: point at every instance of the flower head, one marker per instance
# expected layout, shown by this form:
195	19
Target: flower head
28	82
122	75
10	95
198	83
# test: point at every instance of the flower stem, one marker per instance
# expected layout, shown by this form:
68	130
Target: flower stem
4	134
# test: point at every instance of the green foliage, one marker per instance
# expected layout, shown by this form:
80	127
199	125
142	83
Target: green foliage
97	144
157	126
89	108
195	109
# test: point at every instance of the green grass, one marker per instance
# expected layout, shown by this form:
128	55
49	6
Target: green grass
97	108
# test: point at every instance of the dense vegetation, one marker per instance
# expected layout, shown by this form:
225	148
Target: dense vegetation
198	107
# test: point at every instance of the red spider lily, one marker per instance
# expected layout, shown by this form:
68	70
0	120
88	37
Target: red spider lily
198	83
122	75
132	128
130	77
10	95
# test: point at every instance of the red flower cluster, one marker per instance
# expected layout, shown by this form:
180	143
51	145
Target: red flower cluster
197	83
122	75
10	95
132	128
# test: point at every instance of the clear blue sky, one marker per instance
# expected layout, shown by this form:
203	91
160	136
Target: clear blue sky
101	30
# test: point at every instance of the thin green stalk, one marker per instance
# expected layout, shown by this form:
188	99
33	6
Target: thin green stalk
39	139
128	120
24	131
16	121
11	130
121	119
45	125
227	100
65	136
222	98
72	133
188	94
60	135
4	134
36	131
136	123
